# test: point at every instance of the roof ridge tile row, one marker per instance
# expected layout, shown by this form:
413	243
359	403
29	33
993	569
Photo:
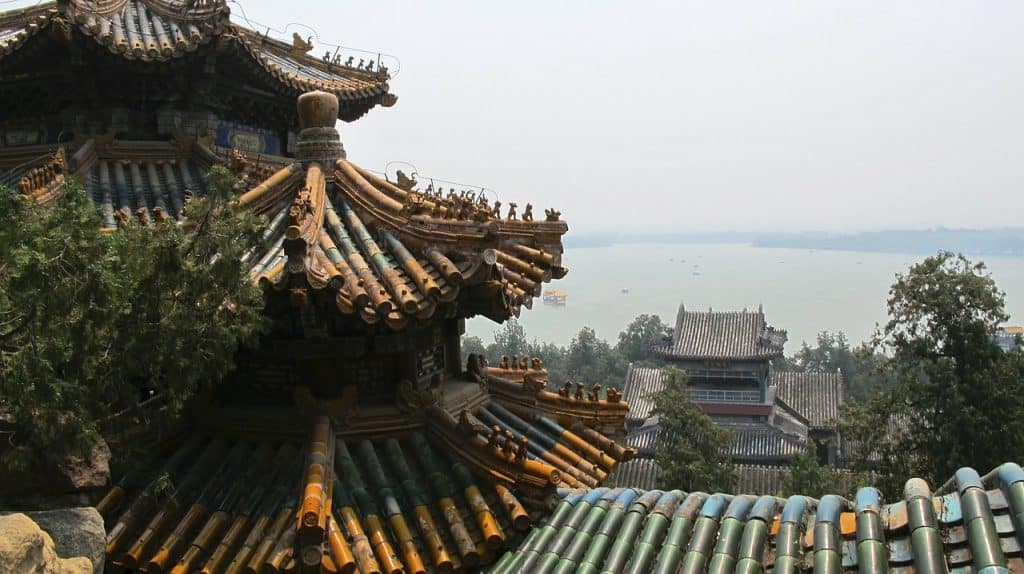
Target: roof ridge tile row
974	528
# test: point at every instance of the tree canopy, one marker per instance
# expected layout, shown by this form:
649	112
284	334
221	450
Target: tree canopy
809	477
593	360
93	322
692	451
640	335
863	367
587	358
511	339
957	396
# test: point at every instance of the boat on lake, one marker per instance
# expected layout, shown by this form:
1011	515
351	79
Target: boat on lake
554	297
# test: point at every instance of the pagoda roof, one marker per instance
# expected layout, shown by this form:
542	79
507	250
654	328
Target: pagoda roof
154	31
441	479
384	254
967	525
736	335
393	255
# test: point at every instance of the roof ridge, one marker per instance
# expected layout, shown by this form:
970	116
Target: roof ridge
26	15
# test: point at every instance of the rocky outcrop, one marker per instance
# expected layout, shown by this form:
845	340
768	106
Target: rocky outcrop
75	532
72	473
27	549
82	473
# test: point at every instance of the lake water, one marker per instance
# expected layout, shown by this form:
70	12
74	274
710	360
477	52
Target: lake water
802	291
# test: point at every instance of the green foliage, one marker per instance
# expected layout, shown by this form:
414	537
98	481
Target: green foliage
587	358
807	476
957	396
592	360
692	453
554	358
92	322
511	339
863	368
635	342
472	345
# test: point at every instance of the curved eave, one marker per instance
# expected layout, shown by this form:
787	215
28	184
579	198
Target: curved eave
18	27
505	261
669	353
136	31
150	32
357	90
350	235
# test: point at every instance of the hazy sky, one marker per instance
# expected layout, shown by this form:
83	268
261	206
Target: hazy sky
696	116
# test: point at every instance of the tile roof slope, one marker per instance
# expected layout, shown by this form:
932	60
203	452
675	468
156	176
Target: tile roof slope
760	478
161	30
422	480
558	450
385	254
426	494
396	503
762	441
145	180
740	335
973	528
142	179
345	231
641	383
816	396
642	474
751	441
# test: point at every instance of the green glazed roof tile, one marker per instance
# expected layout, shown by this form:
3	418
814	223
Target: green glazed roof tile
970	526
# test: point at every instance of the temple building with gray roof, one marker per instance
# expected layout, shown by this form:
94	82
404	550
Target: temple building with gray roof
728	359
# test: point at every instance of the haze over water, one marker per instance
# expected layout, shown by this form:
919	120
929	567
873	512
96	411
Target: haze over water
802	291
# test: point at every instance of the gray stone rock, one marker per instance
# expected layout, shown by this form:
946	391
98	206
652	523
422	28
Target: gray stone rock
25	549
75	532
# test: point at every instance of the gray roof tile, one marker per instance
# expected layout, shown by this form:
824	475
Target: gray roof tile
641	382
723	335
642	473
751	442
816	396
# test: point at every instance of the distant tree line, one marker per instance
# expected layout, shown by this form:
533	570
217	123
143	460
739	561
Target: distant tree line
587	358
1004	241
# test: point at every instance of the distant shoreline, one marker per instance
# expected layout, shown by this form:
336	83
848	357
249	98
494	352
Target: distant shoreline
1006	242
